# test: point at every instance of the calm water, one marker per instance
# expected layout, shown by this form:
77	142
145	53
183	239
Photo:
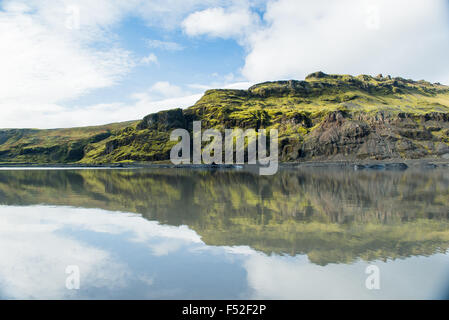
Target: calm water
175	234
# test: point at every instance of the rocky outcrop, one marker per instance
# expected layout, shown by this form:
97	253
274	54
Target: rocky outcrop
341	136
163	120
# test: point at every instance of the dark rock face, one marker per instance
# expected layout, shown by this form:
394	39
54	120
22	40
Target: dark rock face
340	136
163	120
114	144
336	135
435	116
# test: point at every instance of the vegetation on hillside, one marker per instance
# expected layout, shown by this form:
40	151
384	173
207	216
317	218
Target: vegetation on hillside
53	145
322	117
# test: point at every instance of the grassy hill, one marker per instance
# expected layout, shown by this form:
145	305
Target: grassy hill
53	145
323	117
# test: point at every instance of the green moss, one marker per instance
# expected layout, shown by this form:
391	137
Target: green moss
295	108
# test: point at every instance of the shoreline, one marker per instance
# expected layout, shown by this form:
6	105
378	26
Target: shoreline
390	164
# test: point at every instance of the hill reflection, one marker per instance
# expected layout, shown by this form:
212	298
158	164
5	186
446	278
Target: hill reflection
332	216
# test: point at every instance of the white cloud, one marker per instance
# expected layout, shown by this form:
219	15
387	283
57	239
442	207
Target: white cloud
54	52
168	13
42	65
401	38
243	85
164	45
143	104
220	22
151	106
166	89
160	96
48	116
45	63
150	59
58	51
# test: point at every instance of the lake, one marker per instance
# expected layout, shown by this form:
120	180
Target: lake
224	234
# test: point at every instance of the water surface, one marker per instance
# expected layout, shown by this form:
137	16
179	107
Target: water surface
199	234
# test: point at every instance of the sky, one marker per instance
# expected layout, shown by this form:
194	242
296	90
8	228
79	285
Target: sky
66	63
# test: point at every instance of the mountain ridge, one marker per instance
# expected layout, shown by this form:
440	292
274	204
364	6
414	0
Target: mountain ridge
324	117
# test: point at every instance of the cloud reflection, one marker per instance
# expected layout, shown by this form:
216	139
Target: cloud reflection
37	243
123	255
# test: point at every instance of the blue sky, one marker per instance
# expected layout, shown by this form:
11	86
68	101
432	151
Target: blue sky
72	63
181	61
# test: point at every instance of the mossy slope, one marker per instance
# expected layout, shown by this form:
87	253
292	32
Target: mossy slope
323	117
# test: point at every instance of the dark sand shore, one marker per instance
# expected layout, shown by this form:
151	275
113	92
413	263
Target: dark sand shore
391	164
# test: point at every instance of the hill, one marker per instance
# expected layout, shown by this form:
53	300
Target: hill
324	117
53	145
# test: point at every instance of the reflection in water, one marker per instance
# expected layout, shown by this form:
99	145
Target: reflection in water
223	234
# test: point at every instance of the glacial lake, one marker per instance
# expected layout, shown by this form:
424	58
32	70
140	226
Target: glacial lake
224	234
